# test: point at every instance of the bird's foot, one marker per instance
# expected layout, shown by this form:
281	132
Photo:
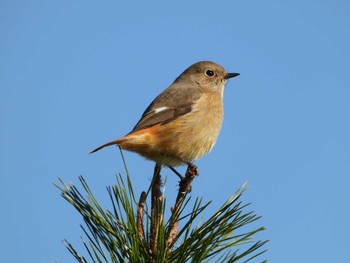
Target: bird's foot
192	170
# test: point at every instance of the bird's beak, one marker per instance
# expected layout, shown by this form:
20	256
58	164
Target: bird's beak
231	75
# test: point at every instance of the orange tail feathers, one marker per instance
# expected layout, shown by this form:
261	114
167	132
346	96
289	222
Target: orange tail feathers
138	141
120	142
115	142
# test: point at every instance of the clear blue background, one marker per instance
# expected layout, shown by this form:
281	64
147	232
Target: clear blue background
75	74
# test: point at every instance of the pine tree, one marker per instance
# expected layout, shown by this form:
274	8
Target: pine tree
134	231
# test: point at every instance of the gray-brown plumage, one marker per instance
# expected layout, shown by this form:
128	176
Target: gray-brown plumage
183	122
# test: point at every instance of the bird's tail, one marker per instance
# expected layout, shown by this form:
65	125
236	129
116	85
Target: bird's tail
115	142
134	141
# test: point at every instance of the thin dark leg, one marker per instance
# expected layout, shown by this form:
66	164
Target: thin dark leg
175	172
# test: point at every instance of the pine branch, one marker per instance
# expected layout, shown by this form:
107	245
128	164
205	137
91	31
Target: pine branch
185	187
156	210
140	215
130	232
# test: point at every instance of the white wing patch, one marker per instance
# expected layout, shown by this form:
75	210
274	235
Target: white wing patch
157	110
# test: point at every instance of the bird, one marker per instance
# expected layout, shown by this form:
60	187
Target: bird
183	122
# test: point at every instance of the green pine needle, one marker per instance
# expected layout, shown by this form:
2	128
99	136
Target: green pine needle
113	234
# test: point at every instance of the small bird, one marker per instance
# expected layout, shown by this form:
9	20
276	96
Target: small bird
183	123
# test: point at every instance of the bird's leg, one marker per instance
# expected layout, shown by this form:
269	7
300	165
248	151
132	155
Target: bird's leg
191	169
175	172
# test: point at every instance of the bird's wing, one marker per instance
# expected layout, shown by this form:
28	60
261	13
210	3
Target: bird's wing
175	101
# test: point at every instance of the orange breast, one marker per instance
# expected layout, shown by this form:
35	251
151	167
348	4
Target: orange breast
185	139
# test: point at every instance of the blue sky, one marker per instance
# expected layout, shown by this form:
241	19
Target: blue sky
75	74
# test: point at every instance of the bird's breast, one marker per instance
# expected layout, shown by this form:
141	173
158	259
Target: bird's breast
185	139
192	135
207	121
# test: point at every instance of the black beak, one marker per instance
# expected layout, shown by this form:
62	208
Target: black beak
231	75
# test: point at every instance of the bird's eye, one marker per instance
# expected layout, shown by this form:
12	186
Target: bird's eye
210	73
